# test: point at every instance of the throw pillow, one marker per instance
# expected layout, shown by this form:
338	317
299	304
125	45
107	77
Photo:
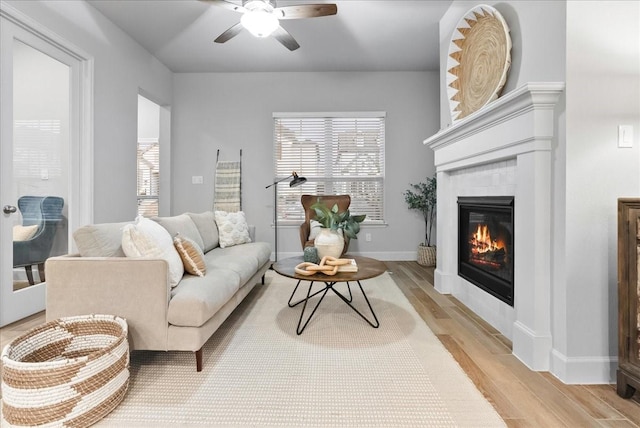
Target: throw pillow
191	255
146	238
232	228
24	233
181	224
316	227
206	224
100	240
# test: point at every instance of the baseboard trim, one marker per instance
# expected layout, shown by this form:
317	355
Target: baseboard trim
531	348
443	282
583	370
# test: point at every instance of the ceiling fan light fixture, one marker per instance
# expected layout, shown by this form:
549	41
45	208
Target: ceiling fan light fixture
259	22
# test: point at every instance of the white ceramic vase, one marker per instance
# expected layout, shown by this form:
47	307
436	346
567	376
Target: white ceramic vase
329	243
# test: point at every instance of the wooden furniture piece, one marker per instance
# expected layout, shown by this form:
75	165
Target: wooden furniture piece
367	268
628	374
343	202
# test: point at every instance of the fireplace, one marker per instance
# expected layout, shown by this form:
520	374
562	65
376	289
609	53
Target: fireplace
486	250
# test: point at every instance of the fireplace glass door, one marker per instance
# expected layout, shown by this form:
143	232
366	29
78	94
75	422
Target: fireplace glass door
485	250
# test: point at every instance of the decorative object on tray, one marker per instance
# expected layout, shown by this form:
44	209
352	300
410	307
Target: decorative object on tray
423	198
478	62
352	266
311	255
330	240
72	371
328	266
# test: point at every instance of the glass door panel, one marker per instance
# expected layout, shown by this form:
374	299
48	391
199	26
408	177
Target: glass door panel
34	159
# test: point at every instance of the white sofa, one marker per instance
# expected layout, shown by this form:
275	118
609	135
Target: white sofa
102	280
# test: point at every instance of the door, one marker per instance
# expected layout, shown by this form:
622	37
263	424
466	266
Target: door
40	134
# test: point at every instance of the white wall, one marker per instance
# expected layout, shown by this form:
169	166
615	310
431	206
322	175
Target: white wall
232	111
148	118
603	91
122	69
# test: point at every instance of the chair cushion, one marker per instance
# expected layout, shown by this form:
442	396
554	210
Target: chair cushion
24	233
146	238
181	224
206	224
316	227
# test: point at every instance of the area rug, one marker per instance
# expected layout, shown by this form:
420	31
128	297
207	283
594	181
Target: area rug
340	372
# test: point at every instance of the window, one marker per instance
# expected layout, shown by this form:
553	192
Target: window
148	157
338	153
148	177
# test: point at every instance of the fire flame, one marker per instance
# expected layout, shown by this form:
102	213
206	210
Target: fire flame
481	241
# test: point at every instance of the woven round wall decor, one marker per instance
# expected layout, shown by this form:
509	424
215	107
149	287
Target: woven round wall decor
478	62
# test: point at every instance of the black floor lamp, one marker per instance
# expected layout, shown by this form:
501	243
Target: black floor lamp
295	182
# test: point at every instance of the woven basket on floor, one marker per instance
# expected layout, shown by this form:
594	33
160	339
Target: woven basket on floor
69	372
426	255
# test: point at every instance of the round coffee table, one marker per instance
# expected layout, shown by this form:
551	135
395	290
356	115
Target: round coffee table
367	268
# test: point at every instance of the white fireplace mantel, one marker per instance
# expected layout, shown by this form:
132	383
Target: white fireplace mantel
504	149
510	125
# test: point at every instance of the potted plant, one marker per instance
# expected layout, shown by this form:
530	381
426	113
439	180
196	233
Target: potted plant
422	197
335	226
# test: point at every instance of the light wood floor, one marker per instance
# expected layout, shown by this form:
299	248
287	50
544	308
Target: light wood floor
522	397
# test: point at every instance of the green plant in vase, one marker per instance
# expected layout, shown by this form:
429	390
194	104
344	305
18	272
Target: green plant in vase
422	197
335	227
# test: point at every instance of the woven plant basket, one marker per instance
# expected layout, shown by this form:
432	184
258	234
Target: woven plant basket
69	372
426	255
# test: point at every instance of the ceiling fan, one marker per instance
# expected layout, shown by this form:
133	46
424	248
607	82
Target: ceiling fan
262	18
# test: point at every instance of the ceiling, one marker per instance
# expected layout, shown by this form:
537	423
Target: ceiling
373	35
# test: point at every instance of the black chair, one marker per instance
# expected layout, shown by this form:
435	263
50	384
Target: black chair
46	212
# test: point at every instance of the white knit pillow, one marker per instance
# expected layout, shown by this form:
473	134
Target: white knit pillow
146	238
232	228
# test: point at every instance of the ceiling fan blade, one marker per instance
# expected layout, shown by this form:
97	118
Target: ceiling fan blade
230	33
226	4
285	38
305	11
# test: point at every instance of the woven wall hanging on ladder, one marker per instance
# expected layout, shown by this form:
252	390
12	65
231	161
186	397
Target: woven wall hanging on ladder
478	62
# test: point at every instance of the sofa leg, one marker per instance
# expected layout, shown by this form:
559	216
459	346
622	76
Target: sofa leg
262	279
199	360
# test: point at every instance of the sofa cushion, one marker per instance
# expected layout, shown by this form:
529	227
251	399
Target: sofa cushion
146	238
232	228
206	224
243	259
100	240
196	299
191	255
181	224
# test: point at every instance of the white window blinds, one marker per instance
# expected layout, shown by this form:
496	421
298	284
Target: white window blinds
338	153
148	176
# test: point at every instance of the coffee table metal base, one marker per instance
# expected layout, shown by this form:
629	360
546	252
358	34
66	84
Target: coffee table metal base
329	286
